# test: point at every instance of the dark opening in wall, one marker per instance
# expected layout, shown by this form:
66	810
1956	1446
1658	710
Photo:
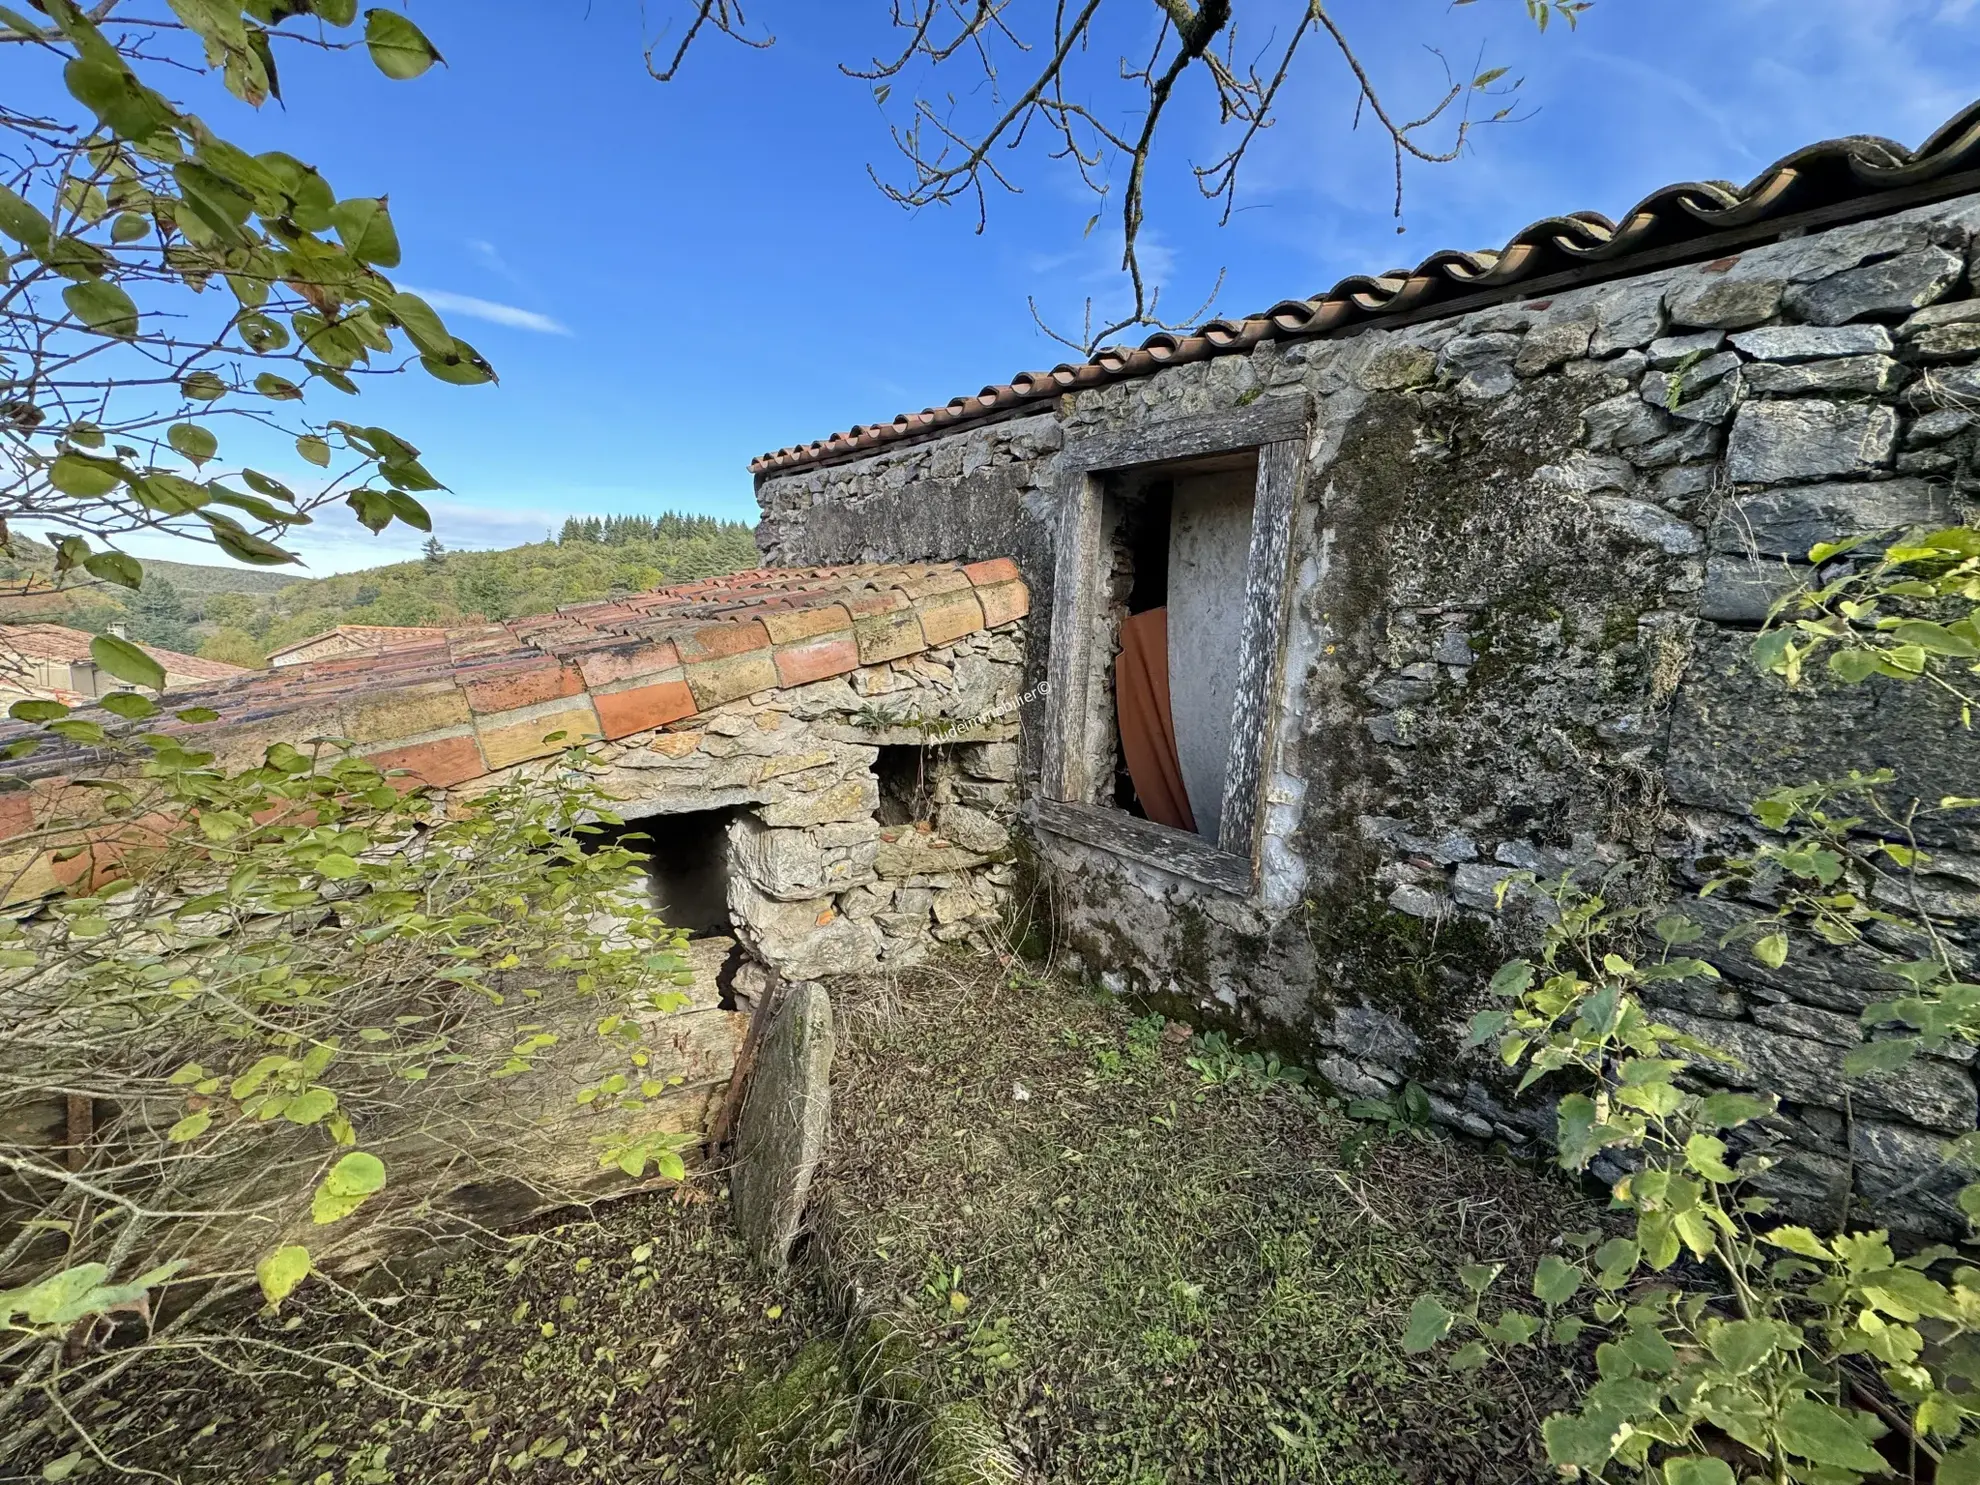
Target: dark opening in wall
1180	536
907	774
687	868
687	876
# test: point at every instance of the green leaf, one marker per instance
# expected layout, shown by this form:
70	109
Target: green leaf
281	1271
314	449
24	223
1698	1469
1880	1056
263	484
364	223
196	443
103	307
1741	1345
277	388
126	662
1730	1110
203	386
108	89
1827	1435
464	366
63	1467
1934	638
352	1179
85	477
1772	950
400	48
336	866
422	326
1469	1357
1799	1240
37	711
1961	1467
243	547
129	705
1429	1323
1478	1277
312	1106
114	567
1554	1281
1706	1154
189	1128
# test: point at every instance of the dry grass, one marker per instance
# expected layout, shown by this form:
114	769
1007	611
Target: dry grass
1149	1277
1042	1234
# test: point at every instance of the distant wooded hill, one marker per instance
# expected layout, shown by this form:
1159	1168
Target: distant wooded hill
240	615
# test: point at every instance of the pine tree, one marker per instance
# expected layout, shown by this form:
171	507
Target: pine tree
436	554
159	617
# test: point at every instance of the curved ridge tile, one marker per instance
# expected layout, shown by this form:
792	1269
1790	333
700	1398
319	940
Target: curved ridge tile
1831	172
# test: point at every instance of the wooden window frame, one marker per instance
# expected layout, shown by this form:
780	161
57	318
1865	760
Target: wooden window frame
1276	430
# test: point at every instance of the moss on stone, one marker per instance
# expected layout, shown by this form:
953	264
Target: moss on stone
1421	972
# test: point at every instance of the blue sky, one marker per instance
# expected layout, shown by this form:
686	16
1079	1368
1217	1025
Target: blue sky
672	279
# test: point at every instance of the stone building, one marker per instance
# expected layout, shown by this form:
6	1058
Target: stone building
346	641
52	662
822	763
1473	555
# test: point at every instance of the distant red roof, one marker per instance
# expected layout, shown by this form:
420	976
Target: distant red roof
371	636
474	700
56	642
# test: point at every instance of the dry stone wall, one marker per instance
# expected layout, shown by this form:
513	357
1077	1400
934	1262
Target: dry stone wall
1532	546
819	884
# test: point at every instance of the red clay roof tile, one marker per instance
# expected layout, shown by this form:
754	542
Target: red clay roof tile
458	705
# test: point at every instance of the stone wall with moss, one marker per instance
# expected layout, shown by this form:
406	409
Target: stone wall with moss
1532	545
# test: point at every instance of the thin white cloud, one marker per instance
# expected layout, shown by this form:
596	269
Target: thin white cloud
488	309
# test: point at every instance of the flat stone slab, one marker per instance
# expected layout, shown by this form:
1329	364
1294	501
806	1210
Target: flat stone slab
781	1134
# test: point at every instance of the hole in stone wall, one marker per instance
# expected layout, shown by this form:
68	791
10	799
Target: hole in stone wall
687	876
1180	546
907	774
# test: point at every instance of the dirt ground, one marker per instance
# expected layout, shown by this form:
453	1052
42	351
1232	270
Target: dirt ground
1054	1241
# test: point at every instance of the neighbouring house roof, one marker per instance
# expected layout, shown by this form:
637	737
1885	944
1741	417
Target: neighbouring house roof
370	636
56	642
478	699
1835	181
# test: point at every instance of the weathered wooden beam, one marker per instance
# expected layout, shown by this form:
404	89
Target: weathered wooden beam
1271	419
1174	851
1267	591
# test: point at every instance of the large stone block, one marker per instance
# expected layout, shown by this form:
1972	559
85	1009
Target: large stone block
1893	286
1812	343
1787	522
1741	590
792	865
1737	734
1935	1094
1724	299
1807	440
781	1134
805	939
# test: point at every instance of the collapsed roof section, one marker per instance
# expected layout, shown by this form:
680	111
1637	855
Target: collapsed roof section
1834	181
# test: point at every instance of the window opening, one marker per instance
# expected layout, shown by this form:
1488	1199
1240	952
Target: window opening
1174	604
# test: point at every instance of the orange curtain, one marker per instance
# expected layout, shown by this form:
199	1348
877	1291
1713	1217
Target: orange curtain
1148	733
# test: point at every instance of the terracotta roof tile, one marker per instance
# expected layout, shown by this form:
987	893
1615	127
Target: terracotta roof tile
56	642
1835	180
461	703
